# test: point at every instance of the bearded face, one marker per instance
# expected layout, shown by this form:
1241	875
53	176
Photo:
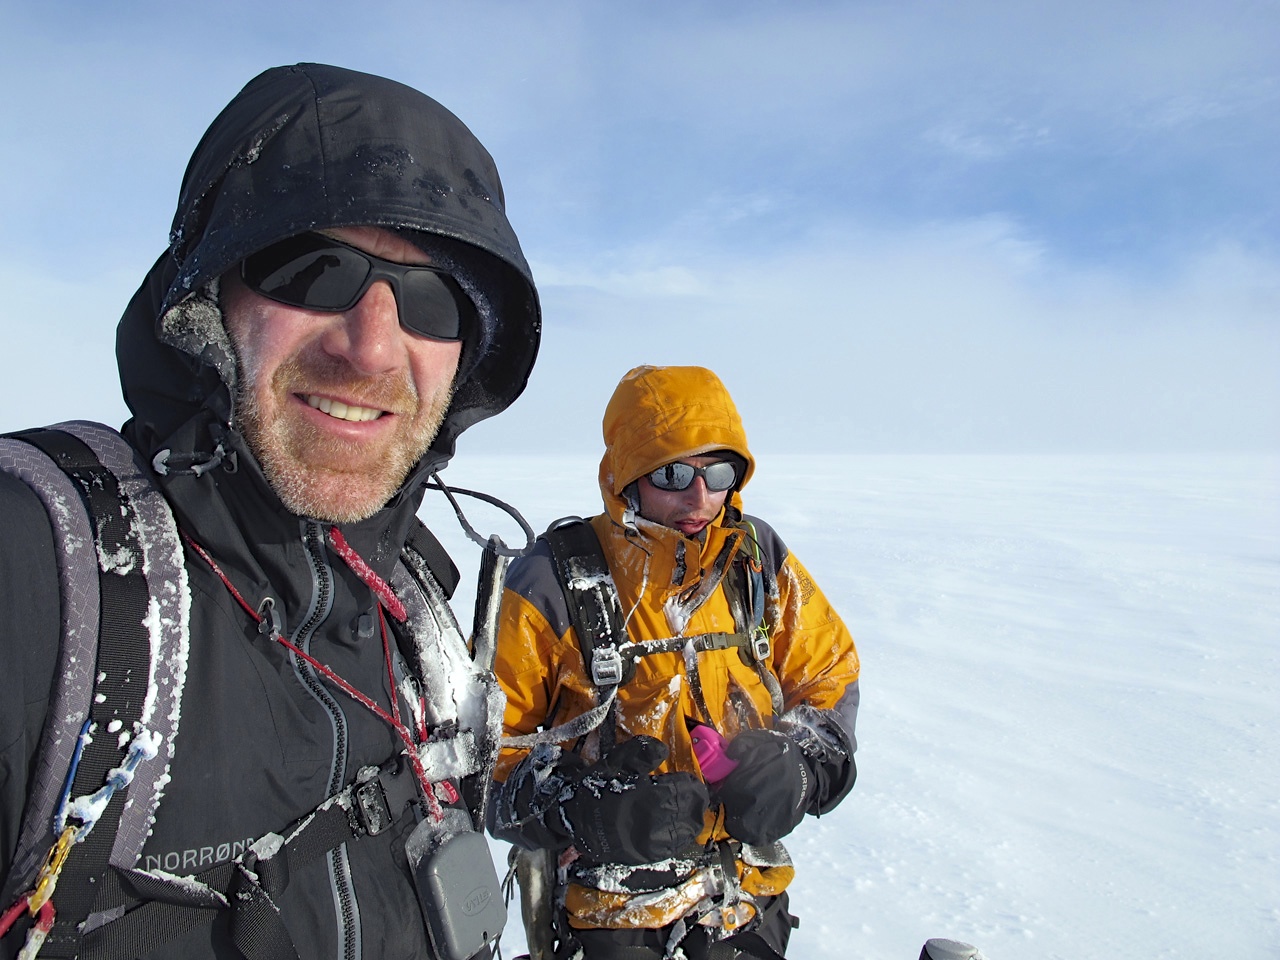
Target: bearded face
338	407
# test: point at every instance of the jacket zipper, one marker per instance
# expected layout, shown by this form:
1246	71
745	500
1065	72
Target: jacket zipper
347	910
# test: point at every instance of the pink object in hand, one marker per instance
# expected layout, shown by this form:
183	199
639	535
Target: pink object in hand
708	747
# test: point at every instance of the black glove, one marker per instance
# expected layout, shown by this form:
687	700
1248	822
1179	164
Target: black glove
618	813
612	811
770	790
827	744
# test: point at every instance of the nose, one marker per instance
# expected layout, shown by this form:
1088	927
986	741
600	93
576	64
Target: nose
368	335
697	493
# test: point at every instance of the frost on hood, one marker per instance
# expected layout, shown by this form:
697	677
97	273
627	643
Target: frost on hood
477	288
195	327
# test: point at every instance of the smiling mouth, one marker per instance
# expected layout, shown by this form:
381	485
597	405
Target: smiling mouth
342	411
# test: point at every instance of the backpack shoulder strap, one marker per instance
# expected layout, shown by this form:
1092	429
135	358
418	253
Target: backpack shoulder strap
72	690
752	593
592	599
422	544
122	658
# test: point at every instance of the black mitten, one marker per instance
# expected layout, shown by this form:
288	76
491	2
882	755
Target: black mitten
770	790
613	811
619	813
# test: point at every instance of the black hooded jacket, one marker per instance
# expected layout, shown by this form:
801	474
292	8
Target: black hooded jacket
262	739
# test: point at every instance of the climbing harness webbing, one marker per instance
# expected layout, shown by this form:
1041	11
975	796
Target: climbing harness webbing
595	611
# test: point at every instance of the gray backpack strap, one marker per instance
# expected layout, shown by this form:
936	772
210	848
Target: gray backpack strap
168	624
111	526
73	539
748	594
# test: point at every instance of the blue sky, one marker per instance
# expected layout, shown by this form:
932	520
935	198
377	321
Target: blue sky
891	227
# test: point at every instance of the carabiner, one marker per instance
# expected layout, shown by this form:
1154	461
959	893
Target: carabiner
47	878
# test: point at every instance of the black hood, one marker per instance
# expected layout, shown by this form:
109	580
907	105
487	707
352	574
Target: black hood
309	147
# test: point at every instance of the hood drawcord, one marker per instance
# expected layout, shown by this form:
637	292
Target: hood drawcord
166	463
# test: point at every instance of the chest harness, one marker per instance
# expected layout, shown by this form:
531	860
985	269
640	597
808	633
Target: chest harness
595	612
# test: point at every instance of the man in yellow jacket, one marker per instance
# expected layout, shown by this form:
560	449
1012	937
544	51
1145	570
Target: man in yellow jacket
661	758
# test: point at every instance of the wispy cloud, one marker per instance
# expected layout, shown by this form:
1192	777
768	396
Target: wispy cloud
992	222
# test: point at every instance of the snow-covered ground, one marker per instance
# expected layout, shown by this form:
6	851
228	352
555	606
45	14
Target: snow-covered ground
1071	687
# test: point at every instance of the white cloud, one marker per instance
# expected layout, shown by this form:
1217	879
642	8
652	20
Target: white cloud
994	222
961	336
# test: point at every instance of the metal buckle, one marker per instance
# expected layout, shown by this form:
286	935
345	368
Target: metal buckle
606	666
760	646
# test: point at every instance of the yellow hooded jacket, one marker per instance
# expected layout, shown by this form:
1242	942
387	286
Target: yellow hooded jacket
658	415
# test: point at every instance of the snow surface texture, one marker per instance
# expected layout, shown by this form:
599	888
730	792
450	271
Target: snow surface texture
1071	672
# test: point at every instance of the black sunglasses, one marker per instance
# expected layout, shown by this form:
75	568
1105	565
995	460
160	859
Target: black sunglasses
678	476
316	272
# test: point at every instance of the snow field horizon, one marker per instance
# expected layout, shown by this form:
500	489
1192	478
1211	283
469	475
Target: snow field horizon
1070	679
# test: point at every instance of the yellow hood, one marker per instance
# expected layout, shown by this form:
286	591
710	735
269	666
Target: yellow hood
660	414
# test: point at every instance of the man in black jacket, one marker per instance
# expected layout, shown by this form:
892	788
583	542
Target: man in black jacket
341	297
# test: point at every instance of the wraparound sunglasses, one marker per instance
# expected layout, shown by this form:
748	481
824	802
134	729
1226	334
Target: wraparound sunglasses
678	476
316	272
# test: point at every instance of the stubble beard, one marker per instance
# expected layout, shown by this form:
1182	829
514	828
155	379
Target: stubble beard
316	474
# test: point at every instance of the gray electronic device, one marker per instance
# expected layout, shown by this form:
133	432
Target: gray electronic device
458	890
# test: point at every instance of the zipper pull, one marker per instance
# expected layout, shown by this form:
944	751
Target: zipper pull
269	621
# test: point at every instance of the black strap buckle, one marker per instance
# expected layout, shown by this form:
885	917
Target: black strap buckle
380	800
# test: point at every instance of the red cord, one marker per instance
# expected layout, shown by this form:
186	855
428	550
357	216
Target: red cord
44	920
204	555
402	731
10	916
365	572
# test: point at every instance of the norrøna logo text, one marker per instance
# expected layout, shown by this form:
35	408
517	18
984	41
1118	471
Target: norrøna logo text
189	860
